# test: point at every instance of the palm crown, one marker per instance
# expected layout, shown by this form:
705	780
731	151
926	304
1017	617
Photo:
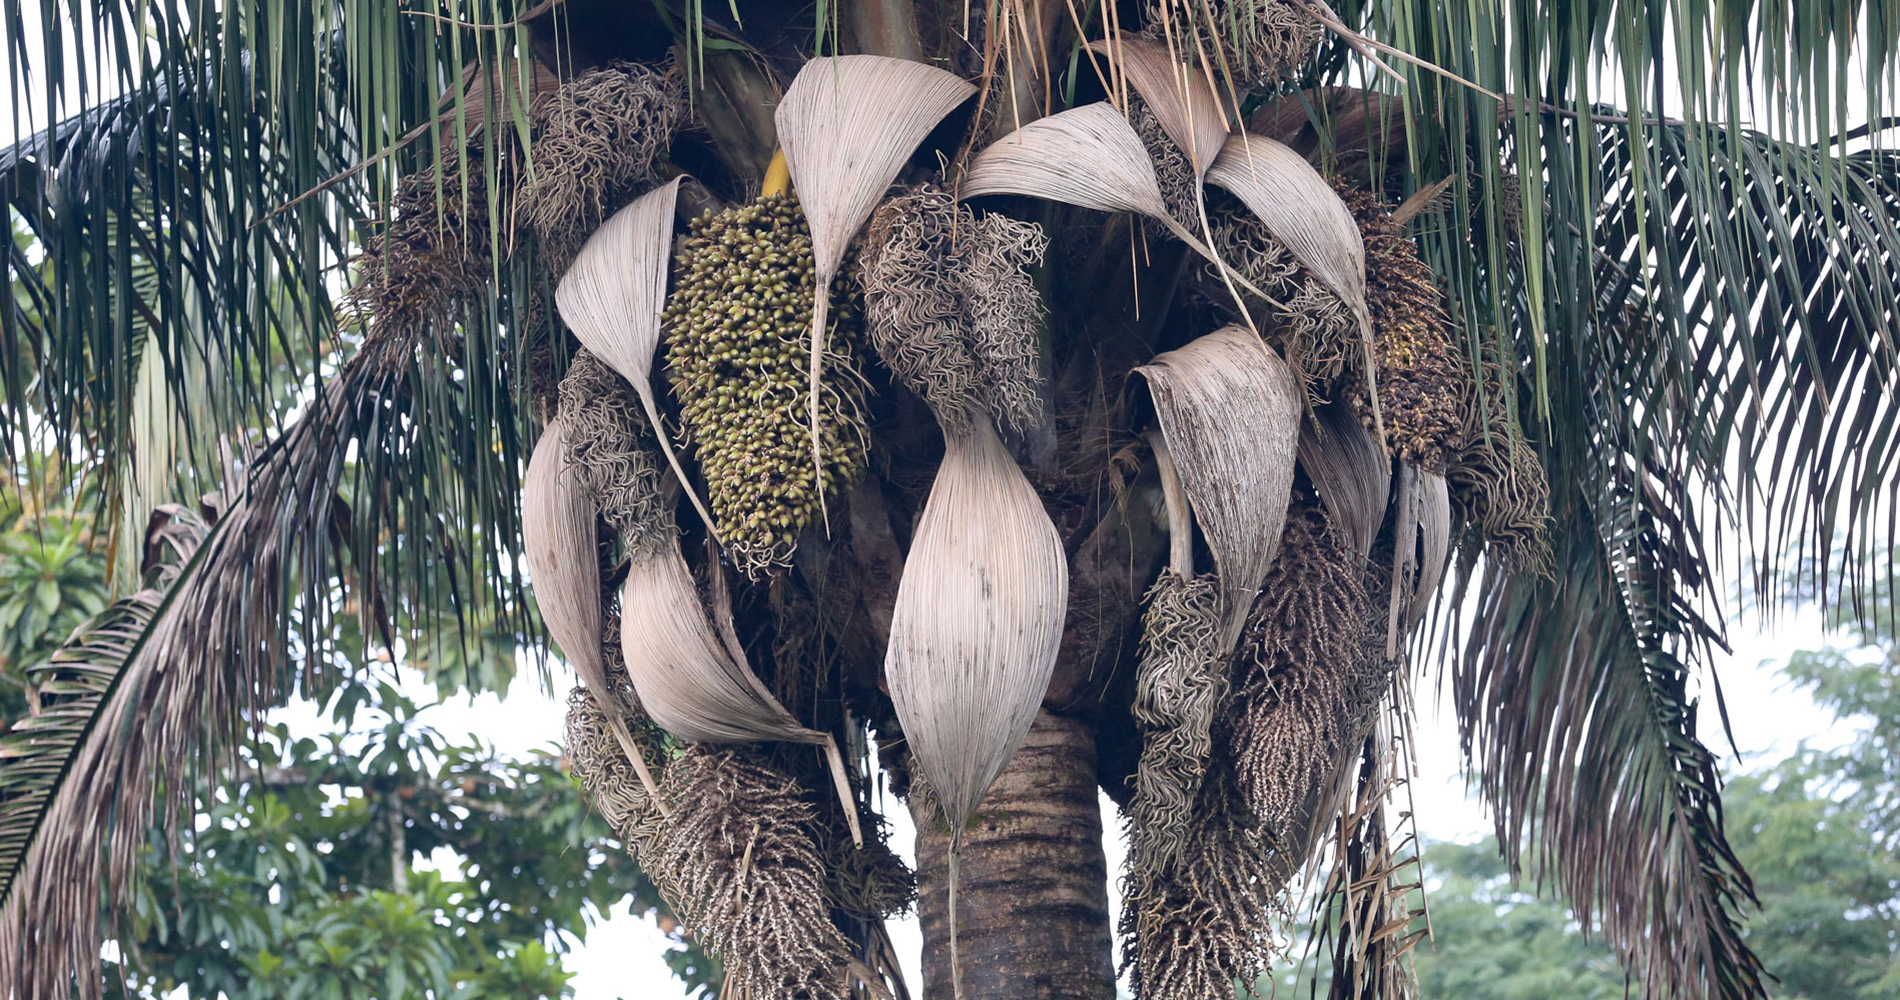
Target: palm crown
1508	297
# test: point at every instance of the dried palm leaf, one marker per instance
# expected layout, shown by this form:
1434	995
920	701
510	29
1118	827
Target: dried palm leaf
612	297
73	683
557	537
686	676
1182	97
846	125
1353	477
1303	212
977	621
1230	411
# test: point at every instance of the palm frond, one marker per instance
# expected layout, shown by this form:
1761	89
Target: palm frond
37	751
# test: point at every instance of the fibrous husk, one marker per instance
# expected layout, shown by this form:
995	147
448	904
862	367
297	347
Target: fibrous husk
1230	412
612	297
558	541
1425	384
596	142
977	622
606	454
952	310
1497	483
734	329
1253	42
1353	477
1178	686
847	124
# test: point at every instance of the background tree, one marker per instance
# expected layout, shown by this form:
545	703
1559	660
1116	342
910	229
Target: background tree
1590	338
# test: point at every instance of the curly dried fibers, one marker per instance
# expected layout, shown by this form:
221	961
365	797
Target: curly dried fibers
606	449
596	142
1178	686
952	310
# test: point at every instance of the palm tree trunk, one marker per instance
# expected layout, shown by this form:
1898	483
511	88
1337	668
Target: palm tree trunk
1033	896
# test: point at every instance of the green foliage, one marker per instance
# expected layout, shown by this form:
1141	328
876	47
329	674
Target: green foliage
1829	926
1815	831
298	882
1494	940
52	578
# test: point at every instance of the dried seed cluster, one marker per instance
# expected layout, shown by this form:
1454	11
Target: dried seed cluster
1498	485
737	329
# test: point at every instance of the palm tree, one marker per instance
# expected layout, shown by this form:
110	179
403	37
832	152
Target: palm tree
1541	316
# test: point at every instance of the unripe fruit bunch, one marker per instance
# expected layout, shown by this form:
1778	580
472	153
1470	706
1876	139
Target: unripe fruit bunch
737	329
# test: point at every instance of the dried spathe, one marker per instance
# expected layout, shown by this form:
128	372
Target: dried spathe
612	296
847	124
557	537
1230	411
978	620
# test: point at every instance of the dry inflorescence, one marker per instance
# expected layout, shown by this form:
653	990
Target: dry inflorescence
951	307
735	858
597	141
1310	324
1251	42
1498	485
605	450
1172	169
431	258
738	862
1194	933
1302	688
738	359
1178	687
1308	674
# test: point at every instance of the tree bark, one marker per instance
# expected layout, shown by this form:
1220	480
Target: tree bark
1033	921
